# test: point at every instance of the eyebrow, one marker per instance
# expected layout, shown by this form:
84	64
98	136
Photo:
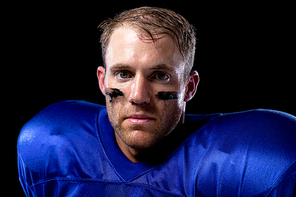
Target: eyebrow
154	67
161	67
120	66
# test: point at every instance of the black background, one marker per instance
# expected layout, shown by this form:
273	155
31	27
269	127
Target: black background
245	57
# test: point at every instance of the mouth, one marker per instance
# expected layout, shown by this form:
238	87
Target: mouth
139	119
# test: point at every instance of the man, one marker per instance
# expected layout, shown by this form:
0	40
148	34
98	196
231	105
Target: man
142	143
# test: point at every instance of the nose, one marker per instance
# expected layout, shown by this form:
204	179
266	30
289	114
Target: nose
140	90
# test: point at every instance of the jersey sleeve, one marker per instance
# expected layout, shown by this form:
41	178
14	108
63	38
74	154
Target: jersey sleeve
33	147
285	185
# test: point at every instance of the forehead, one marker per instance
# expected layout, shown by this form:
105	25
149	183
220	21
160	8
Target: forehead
133	46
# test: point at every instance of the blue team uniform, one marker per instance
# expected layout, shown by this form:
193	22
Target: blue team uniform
69	149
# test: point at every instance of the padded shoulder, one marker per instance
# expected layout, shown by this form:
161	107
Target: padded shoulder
266	122
253	152
263	129
54	128
266	139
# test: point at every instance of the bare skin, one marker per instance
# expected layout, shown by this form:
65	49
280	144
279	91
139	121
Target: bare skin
145	90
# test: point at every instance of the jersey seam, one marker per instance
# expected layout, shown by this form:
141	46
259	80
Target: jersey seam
280	178
99	181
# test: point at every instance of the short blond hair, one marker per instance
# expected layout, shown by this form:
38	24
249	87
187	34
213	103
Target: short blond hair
155	20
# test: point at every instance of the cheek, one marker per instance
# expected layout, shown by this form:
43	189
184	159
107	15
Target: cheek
115	99
175	98
171	115
170	107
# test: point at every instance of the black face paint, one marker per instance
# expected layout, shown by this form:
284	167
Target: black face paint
167	95
115	93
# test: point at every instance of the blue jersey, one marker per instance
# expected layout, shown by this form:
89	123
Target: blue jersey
69	149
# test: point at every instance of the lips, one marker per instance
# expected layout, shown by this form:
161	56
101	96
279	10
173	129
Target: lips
139	119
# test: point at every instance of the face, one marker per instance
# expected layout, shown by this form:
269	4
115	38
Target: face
144	86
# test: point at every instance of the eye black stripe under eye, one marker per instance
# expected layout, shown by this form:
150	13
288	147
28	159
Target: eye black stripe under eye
167	95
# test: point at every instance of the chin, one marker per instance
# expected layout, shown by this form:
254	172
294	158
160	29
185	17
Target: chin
141	139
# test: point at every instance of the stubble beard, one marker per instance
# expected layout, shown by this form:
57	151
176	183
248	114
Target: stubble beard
149	137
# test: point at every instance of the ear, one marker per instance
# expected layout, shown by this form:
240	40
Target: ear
191	86
101	79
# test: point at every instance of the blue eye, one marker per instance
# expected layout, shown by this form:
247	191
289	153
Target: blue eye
161	76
